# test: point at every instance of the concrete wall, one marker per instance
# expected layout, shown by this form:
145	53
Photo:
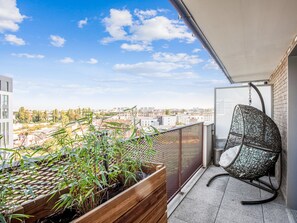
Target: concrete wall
279	81
6	83
292	130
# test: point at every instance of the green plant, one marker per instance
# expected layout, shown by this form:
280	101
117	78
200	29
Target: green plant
98	159
10	188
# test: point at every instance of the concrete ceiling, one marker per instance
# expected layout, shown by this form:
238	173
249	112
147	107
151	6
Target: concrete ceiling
248	37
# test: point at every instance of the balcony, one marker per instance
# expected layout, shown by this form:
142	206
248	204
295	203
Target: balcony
185	151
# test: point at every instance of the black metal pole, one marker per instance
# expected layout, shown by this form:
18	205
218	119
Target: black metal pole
260	96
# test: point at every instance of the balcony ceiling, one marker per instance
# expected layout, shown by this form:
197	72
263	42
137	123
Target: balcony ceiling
247	38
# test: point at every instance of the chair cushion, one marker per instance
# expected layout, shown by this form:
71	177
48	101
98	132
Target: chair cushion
228	156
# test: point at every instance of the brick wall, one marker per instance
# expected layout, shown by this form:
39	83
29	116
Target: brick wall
279	81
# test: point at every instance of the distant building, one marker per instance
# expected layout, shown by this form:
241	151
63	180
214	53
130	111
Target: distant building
189	119
148	121
6	113
168	120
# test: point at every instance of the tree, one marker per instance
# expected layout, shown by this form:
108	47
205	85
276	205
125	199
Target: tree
55	115
71	114
44	116
35	116
64	118
23	115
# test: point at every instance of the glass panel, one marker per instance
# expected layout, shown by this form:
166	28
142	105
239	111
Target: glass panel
225	101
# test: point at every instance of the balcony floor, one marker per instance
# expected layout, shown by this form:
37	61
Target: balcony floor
220	203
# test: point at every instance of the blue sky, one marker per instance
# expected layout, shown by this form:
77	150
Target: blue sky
103	54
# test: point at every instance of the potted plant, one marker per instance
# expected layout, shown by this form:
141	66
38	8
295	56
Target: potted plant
104	175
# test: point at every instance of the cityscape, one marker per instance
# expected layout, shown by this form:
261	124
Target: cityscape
163	111
31	127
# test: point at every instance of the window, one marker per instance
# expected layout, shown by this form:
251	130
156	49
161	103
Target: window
7	134
4	134
5	106
7	85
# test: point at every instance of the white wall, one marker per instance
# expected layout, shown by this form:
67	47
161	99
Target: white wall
10	117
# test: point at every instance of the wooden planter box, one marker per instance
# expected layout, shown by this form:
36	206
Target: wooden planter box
145	202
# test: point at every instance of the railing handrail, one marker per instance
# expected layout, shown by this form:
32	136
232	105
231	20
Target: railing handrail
181	127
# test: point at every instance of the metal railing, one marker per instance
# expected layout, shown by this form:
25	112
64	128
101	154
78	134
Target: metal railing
181	150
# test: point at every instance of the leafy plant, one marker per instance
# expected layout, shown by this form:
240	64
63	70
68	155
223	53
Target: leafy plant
95	160
9	189
98	159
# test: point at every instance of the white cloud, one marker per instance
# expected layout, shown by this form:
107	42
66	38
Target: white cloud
10	16
92	61
87	90
82	23
14	40
57	41
115	23
160	28
163	65
177	58
136	47
143	14
67	60
148	26
29	56
211	65
196	50
149	67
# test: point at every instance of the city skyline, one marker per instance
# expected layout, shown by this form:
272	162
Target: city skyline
103	55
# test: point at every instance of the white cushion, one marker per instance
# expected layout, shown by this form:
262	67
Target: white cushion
228	156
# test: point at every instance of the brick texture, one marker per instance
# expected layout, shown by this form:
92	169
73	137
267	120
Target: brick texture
279	81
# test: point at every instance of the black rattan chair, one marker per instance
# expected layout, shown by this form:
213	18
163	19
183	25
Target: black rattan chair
253	147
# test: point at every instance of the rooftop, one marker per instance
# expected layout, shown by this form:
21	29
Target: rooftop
220	202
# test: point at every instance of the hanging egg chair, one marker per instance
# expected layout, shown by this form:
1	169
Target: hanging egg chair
252	148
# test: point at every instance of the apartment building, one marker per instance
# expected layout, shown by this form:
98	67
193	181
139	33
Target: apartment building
6	113
168	120
148	121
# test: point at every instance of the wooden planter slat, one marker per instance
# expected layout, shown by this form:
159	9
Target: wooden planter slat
125	202
163	219
158	211
137	214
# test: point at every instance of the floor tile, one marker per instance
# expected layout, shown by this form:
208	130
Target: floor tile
193	211
175	220
218	184
275	213
241	188
231	202
233	216
206	195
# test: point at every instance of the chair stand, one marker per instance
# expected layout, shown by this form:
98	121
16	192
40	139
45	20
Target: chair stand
261	185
